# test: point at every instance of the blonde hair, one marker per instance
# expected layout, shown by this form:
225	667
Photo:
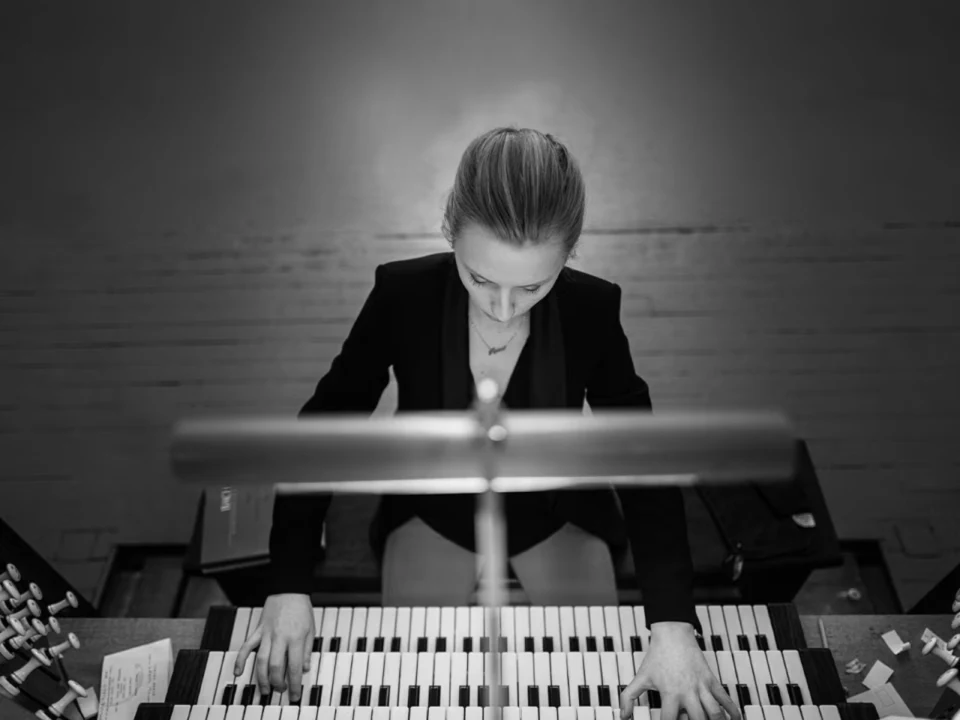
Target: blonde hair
522	185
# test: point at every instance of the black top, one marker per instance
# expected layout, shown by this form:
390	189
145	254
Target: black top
414	320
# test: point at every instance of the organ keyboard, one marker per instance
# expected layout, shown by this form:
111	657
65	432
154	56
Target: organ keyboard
557	663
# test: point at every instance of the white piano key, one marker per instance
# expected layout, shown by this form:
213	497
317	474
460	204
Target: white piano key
548	713
581	620
551	619
764	626
211	678
388	626
791	659
317	620
217	712
575	676
568	627
241	623
375	663
458	676
473	713
761	674
778	671
741	661
749	625
585	713
432	630
508	627
718	626
558	676
391	677
341	675
641	712
643	630
372	631
424	677
325	713
598	627
329	628
307	712
604	713
592	677
711	658
477	626
525	678
328	665
403	630
541	675
626	671
829	712
521	620
291	712
728	671
180	712
611	621
456	713
381	713
441	676
199	712
408	675
448	624
628	627
359	713
610	676
344	623
475	676
245	678
461	628
637	662
343	713
437	713
772	712
731	619
529	713
309	680
418	627
511	712
358	675
810	712
567	713
508	675
537	627
752	712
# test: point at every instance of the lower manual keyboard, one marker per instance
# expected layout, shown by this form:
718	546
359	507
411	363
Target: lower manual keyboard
158	711
789	678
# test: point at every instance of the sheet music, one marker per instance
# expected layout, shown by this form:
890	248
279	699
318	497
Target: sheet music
141	674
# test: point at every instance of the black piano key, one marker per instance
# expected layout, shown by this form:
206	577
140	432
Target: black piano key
583	696
787	630
635	644
533	696
378	644
433	696
796	696
743	695
603	695
620	689
421	645
574	644
553	696
591	643
395	645
608	644
441	644
188	672
773	694
823	681
315	692
218	629
318	644
868	711
249	692
365	695
383	697
265	699
483	696
413	696
743	642
762	643
464	698
716	642
528	644
484	645
503	644
145	711
468	644
548	644
335	644
229	693
654	698
346	695
701	643
361	644
504	696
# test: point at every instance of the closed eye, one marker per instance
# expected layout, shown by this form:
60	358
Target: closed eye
480	282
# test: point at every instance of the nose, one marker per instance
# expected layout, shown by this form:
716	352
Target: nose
504	310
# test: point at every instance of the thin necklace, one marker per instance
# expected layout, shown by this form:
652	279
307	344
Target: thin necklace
493	350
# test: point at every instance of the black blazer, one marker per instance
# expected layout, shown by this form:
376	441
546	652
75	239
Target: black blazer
398	327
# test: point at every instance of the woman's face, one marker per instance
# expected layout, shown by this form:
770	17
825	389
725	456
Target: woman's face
504	281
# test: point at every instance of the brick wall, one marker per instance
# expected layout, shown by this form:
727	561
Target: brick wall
852	331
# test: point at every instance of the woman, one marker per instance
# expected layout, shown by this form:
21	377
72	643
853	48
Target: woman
502	305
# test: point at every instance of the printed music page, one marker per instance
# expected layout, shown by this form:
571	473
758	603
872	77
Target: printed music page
134	676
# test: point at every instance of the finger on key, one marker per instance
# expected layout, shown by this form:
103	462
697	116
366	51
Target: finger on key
263	666
295	670
245	650
278	664
307	650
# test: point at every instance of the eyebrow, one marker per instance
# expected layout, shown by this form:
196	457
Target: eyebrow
474	272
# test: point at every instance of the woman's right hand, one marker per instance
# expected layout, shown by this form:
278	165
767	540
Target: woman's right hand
285	637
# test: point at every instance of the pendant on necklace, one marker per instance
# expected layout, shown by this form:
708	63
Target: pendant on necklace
494	351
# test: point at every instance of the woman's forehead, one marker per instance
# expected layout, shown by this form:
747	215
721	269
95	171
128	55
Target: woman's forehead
505	264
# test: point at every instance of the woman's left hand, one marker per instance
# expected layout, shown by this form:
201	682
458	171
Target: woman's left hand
675	666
